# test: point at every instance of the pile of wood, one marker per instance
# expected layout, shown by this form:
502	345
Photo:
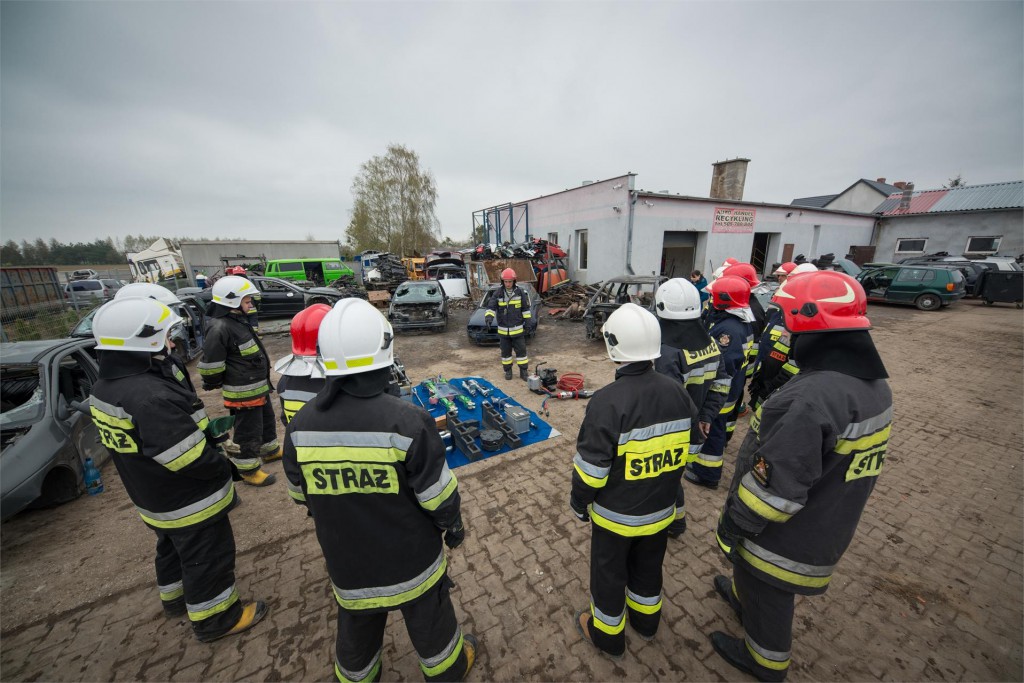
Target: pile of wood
568	300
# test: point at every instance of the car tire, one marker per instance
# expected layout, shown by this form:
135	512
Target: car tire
928	302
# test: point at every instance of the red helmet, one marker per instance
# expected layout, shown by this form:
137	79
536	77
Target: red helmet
785	268
305	329
730	262
729	291
745	271
508	274
235	270
826	301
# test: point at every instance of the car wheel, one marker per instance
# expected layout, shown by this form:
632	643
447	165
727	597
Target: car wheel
59	486
318	300
928	302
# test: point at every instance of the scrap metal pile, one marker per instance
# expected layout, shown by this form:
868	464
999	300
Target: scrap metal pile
349	286
387	273
568	300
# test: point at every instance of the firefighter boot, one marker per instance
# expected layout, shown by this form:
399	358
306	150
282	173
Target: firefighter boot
523	372
258	478
470	647
175	608
270	451
252	613
734	652
723	586
508	372
582	622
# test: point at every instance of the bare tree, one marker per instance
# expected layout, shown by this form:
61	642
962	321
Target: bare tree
394	204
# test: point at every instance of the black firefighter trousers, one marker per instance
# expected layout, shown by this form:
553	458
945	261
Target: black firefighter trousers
196	567
509	344
625	577
253	428
433	630
767	623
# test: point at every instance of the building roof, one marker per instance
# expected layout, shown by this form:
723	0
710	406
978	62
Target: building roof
814	202
1009	195
884	188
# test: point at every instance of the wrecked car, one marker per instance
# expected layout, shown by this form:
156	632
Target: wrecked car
45	441
637	289
419	305
477	328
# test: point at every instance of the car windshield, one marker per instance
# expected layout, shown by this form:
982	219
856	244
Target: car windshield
409	293
84	326
21	395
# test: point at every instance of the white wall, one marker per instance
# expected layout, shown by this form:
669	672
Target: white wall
949	231
861	197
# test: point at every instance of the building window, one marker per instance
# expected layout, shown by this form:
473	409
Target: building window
581	249
553	237
911	245
983	245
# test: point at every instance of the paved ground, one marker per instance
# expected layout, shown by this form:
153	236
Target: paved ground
930	589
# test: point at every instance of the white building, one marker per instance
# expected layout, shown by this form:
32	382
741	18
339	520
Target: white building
612	228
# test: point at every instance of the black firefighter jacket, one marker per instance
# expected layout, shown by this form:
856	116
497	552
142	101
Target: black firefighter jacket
510	309
373	474
804	474
234	359
733	337
631	450
153	427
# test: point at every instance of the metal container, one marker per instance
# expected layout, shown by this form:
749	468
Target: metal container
518	418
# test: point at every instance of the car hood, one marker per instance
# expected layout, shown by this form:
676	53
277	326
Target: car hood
478	318
326	291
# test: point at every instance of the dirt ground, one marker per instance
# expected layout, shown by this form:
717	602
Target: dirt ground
931	588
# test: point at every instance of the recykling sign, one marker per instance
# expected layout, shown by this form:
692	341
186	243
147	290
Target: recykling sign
733	220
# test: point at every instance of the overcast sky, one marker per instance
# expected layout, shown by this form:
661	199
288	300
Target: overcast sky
249	120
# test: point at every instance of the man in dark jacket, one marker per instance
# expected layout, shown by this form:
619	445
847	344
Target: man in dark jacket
805	470
691	357
730	328
153	425
631	449
371	469
509	307
235	361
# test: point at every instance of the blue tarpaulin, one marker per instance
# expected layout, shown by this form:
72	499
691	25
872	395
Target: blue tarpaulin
539	430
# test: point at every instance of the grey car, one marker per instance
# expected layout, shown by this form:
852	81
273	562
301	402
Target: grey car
44	440
637	289
419	305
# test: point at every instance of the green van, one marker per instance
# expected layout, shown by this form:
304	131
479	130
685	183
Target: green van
319	271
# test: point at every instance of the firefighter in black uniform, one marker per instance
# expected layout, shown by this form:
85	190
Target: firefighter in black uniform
235	361
690	356
730	328
509	306
773	366
153	425
371	468
805	470
631	449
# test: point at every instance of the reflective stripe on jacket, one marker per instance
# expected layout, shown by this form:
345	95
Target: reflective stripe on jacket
234	359
509	309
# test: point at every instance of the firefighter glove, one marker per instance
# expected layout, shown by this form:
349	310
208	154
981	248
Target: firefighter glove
579	510
455	534
729	534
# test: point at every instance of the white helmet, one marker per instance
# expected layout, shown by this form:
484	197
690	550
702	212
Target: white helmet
804	268
133	325
231	289
677	299
147	290
632	334
355	337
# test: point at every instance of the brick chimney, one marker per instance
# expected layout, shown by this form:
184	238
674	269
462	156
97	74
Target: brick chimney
880	180
900	184
908	193
728	178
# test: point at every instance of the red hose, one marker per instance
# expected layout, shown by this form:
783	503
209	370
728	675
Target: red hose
571	381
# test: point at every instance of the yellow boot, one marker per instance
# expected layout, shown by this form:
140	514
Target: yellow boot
258	478
252	613
270	451
469	646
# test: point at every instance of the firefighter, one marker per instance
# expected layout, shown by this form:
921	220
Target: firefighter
148	290
302	371
691	357
805	470
235	361
783	271
182	487
773	366
371	468
730	328
509	306
631	449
